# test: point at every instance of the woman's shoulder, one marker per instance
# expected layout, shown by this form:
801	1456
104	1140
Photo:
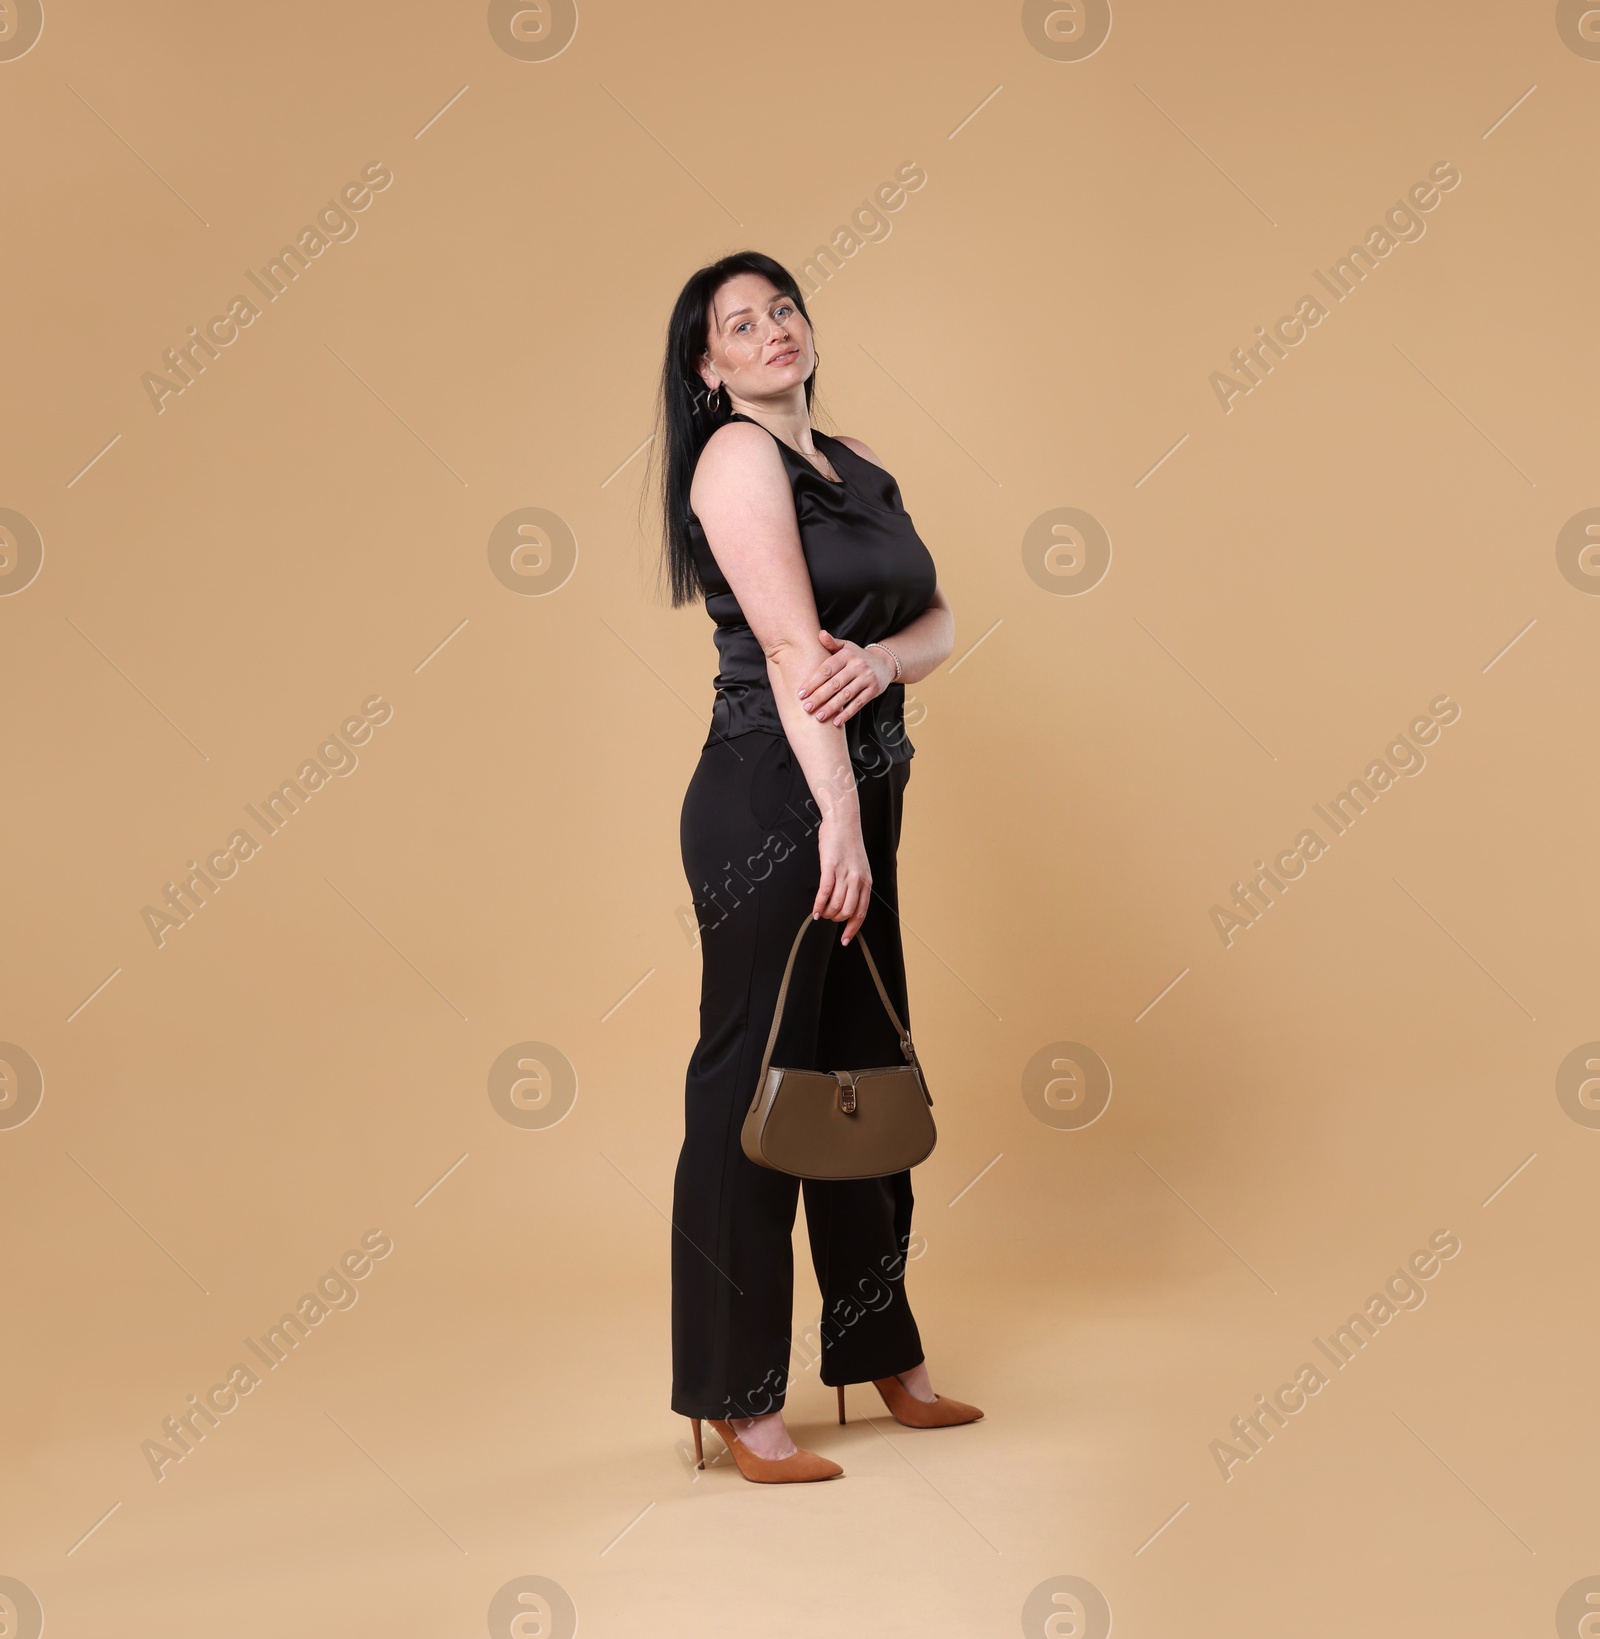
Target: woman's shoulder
739	447
734	434
860	447
738	462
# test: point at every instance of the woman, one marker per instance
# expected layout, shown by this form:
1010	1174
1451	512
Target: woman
826	605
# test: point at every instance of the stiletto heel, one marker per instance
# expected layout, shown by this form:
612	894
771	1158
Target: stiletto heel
906	1408
798	1465
699	1453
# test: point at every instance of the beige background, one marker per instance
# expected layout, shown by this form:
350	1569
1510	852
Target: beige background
225	1116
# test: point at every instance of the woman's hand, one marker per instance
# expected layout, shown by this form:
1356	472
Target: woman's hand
844	893
845	681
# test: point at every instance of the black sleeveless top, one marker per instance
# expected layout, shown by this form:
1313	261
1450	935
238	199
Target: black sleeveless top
870	575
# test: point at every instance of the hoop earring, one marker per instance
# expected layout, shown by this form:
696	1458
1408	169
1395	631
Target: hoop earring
715	402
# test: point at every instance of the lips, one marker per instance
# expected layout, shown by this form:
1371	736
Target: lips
786	357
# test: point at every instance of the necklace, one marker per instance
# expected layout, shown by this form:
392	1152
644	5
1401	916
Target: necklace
811	455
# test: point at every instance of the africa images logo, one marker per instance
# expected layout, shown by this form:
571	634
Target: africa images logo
1253	363
1405	1289
336	758
333	225
1252	899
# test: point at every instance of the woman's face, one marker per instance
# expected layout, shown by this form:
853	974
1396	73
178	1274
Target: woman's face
757	341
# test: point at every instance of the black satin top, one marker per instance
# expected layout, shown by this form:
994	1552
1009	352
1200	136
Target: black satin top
870	575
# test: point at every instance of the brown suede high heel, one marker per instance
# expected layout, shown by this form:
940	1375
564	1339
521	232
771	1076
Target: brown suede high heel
906	1408
798	1465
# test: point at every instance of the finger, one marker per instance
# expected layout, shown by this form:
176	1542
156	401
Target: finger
847	915
839	899
858	901
825	892
849	701
829	641
819	905
819	703
848	673
817	683
825	691
850	698
820	676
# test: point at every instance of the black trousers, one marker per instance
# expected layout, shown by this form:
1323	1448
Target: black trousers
749	840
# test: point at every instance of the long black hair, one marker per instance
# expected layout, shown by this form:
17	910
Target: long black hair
685	417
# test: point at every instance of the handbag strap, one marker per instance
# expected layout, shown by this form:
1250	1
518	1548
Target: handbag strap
783	993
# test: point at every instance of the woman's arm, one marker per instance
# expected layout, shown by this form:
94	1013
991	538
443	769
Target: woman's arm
742	497
924	644
851	675
837	689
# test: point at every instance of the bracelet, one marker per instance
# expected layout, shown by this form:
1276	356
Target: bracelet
892	655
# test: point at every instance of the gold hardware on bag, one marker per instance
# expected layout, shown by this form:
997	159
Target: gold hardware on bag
795	1121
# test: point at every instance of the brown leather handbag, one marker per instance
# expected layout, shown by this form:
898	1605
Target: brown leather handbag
839	1123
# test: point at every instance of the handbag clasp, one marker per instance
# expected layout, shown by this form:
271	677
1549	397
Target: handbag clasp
847	1091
